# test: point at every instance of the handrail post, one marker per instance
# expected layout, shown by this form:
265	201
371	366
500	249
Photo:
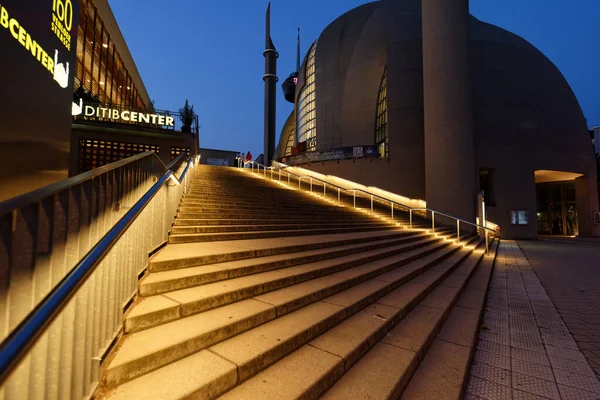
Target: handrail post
410	217
271	173
371	204
457	231
355	199
311	184
288	178
433	222
324	190
487	243
265	171
299	182
279	175
392	204
338	195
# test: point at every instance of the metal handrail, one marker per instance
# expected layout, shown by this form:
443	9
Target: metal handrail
38	194
22	338
392	203
455	218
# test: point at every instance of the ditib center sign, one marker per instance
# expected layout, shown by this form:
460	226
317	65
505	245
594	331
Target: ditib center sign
37	46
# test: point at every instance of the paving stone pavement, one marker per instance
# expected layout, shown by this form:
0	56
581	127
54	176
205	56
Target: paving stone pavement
570	272
525	350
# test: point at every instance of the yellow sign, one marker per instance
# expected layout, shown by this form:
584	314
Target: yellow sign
62	21
59	71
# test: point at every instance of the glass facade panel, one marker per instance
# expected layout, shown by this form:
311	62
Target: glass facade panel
99	69
307	113
381	125
557	209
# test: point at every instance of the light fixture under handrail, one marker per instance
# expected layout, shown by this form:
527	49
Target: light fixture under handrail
393	203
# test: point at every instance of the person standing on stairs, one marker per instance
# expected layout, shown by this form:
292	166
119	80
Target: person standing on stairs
248	157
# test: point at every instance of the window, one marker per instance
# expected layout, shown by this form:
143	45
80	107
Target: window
96	153
381	125
307	113
99	68
176	151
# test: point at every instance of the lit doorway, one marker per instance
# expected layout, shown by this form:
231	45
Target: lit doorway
557	209
556	203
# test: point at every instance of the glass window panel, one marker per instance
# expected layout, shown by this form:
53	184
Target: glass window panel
381	130
306	131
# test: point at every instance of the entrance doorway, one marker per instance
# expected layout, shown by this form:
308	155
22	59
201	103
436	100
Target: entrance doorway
557	209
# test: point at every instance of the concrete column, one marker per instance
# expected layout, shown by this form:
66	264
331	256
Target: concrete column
450	174
586	195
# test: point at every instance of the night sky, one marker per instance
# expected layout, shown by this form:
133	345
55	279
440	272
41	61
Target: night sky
210	51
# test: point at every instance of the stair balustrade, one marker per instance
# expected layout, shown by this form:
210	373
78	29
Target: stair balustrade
70	258
486	229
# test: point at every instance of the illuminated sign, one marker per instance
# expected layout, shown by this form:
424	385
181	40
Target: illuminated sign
121	115
59	71
62	21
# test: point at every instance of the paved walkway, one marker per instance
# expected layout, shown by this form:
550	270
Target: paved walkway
570	272
525	350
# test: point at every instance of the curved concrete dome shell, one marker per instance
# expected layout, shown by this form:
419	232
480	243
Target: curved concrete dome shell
525	115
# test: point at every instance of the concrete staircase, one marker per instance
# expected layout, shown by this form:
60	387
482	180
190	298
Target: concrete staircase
269	293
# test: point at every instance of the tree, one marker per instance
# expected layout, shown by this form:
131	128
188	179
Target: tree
186	114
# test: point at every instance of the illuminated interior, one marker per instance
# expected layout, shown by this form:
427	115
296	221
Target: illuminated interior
307	113
100	69
381	129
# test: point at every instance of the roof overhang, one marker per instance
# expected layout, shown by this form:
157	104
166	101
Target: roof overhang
544	176
110	23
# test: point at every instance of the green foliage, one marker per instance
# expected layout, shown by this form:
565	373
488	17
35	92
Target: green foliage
187	115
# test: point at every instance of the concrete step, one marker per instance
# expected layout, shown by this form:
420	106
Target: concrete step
272	214
231	202
180	222
443	371
282	208
147	350
197	254
155	310
261	346
161	282
352	339
179	230
385	371
209	237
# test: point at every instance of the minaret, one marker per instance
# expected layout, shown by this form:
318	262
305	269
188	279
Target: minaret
450	174
270	79
298	53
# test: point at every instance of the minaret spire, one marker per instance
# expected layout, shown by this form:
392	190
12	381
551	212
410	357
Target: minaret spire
270	79
298	53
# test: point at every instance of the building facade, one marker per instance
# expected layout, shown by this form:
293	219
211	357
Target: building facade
73	98
507	123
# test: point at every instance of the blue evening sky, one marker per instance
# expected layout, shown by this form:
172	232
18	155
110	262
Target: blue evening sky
210	51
